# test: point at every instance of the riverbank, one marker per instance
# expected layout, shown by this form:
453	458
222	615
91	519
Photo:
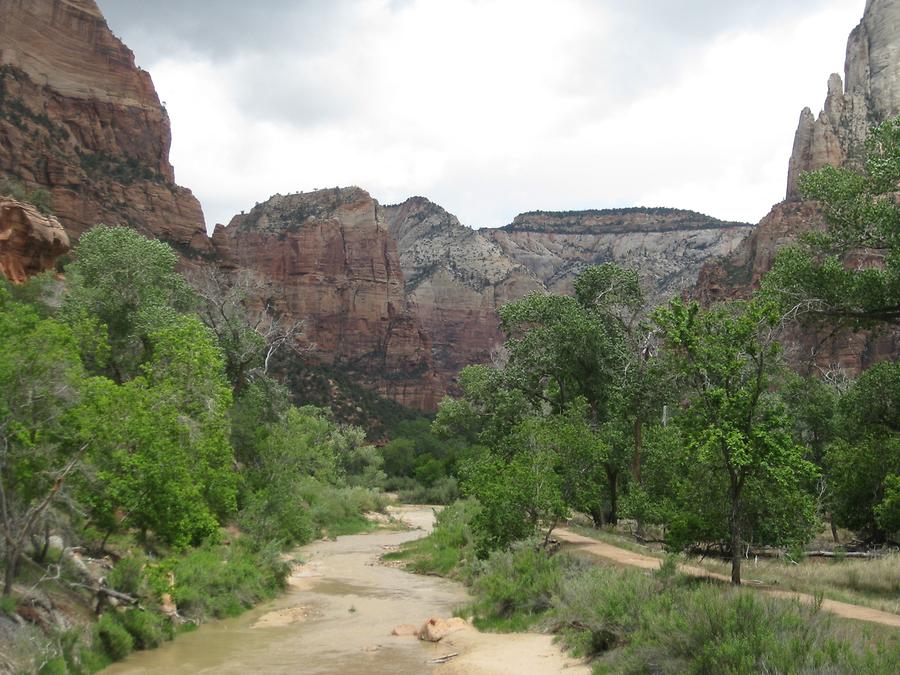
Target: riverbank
337	615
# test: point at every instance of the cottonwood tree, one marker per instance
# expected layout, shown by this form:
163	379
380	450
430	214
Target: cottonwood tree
124	286
849	275
742	473
40	380
863	462
239	308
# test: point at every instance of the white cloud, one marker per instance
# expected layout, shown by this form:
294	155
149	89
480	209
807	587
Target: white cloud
493	107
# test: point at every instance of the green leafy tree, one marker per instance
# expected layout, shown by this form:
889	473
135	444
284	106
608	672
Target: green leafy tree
746	471
128	286
849	274
40	380
864	461
160	454
564	351
518	494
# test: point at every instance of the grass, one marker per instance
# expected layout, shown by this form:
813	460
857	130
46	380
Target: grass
871	583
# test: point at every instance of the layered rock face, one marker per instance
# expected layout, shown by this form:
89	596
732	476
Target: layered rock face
329	256
667	246
78	118
871	95
30	241
457	278
835	138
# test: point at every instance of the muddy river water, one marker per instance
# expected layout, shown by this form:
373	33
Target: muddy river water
337	616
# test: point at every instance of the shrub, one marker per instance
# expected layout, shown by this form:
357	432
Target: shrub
449	549
148	629
221	581
515	587
116	641
128	574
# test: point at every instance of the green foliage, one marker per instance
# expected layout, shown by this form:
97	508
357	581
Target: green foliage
114	638
631	622
128	284
518	495
849	274
450	548
40	379
514	587
865	459
220	581
147	628
39	197
743	474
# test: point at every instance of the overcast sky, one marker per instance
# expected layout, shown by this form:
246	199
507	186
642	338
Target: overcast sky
489	107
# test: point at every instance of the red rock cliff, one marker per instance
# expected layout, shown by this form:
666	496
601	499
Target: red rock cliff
335	265
30	241
78	118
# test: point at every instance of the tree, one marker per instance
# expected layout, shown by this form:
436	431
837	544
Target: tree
864	461
849	275
128	286
563	350
239	308
520	493
40	380
159	450
746	472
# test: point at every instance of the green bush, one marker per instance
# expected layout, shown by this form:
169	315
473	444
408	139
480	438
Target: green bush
637	622
449	550
514	587
128	574
148	629
221	581
116	641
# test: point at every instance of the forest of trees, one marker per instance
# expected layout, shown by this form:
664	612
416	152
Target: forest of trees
688	420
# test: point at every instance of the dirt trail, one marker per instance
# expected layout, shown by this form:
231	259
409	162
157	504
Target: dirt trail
622	556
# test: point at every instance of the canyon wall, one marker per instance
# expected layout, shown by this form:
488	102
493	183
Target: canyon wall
868	95
79	119
331	261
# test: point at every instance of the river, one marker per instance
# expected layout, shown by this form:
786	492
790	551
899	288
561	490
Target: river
337	616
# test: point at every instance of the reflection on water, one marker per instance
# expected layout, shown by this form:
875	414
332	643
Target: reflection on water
338	620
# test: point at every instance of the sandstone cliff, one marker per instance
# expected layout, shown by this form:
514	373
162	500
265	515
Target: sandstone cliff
870	96
667	246
836	138
458	278
78	118
30	241
330	257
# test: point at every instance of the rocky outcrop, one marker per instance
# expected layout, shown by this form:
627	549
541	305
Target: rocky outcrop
457	278
330	257
78	118
871	95
836	138
30	241
667	246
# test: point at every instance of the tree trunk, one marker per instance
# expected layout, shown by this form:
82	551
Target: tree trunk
636	463
12	562
735	526
613	478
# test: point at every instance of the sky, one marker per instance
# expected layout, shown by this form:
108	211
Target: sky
489	107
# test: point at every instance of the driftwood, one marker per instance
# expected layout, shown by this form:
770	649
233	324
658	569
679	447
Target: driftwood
845	554
444	659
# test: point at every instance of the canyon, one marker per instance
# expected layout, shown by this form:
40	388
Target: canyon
397	298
